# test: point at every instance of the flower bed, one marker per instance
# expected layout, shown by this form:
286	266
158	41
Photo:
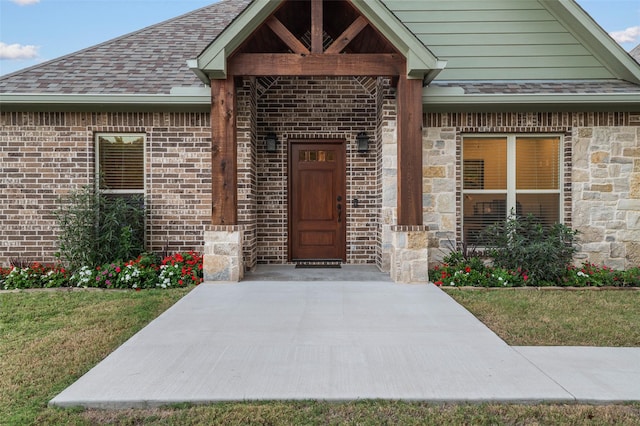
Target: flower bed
147	271
475	273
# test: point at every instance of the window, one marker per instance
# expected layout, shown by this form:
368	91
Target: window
120	163
503	175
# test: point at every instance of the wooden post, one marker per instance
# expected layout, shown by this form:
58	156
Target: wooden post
316	26
409	122
224	209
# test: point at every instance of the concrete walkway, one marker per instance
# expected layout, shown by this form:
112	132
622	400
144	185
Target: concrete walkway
340	340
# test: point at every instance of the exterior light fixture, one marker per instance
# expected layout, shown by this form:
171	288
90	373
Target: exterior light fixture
272	142
363	142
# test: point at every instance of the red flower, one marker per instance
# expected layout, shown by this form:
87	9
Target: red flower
180	282
438	283
467	269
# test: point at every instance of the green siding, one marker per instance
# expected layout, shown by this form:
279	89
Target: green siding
498	39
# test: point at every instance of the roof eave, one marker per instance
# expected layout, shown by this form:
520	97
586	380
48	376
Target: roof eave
610	53
195	102
618	102
421	63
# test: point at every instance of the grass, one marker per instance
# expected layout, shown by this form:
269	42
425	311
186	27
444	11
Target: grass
49	338
529	317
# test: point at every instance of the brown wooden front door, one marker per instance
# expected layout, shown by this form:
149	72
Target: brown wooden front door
317	205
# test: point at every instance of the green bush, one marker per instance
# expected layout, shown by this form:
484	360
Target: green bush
146	271
542	253
96	229
33	276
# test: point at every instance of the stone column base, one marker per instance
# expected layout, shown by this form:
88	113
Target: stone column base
409	254
223	253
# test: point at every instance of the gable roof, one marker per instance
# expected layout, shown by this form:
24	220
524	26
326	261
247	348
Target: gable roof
420	61
498	51
635	53
515	40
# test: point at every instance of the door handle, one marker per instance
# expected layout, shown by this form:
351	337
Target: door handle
339	212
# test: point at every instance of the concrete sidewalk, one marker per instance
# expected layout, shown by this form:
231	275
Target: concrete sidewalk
346	340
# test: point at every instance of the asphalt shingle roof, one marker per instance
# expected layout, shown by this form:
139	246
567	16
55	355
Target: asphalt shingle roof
542	87
149	61
153	60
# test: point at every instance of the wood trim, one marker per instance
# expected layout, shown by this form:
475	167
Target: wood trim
224	206
409	98
317	26
347	35
286	36
373	64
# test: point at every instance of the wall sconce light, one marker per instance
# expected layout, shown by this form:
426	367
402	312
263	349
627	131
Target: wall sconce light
272	142
363	142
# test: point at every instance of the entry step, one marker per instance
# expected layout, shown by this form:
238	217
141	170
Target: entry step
318	263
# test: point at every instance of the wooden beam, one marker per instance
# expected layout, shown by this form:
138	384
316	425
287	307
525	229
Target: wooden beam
347	35
224	209
409	122
258	64
286	36
317	26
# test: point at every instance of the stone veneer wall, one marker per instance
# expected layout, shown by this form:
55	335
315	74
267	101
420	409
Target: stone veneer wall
45	155
317	108
601	177
388	174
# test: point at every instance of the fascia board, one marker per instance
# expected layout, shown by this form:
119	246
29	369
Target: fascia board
419	59
233	36
628	99
602	46
61	102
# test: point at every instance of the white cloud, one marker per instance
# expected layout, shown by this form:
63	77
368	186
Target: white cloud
630	35
25	2
17	51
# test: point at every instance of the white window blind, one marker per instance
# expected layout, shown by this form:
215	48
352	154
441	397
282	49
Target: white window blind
511	174
120	164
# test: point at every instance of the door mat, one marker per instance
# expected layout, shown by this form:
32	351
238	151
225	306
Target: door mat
318	263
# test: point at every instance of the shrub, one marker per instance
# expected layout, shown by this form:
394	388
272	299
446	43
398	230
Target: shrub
541	252
180	269
34	276
601	276
96	229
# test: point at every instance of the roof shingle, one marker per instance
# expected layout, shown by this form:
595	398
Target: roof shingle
149	61
153	60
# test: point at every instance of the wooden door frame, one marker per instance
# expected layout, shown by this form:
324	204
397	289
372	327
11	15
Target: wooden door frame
315	141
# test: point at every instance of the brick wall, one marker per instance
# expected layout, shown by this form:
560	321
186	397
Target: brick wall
601	164
314	108
43	156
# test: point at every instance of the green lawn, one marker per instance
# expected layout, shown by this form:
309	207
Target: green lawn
530	317
49	338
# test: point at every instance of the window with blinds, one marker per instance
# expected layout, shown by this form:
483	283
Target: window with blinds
120	163
513	174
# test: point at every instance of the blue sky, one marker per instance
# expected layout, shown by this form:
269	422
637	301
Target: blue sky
34	31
